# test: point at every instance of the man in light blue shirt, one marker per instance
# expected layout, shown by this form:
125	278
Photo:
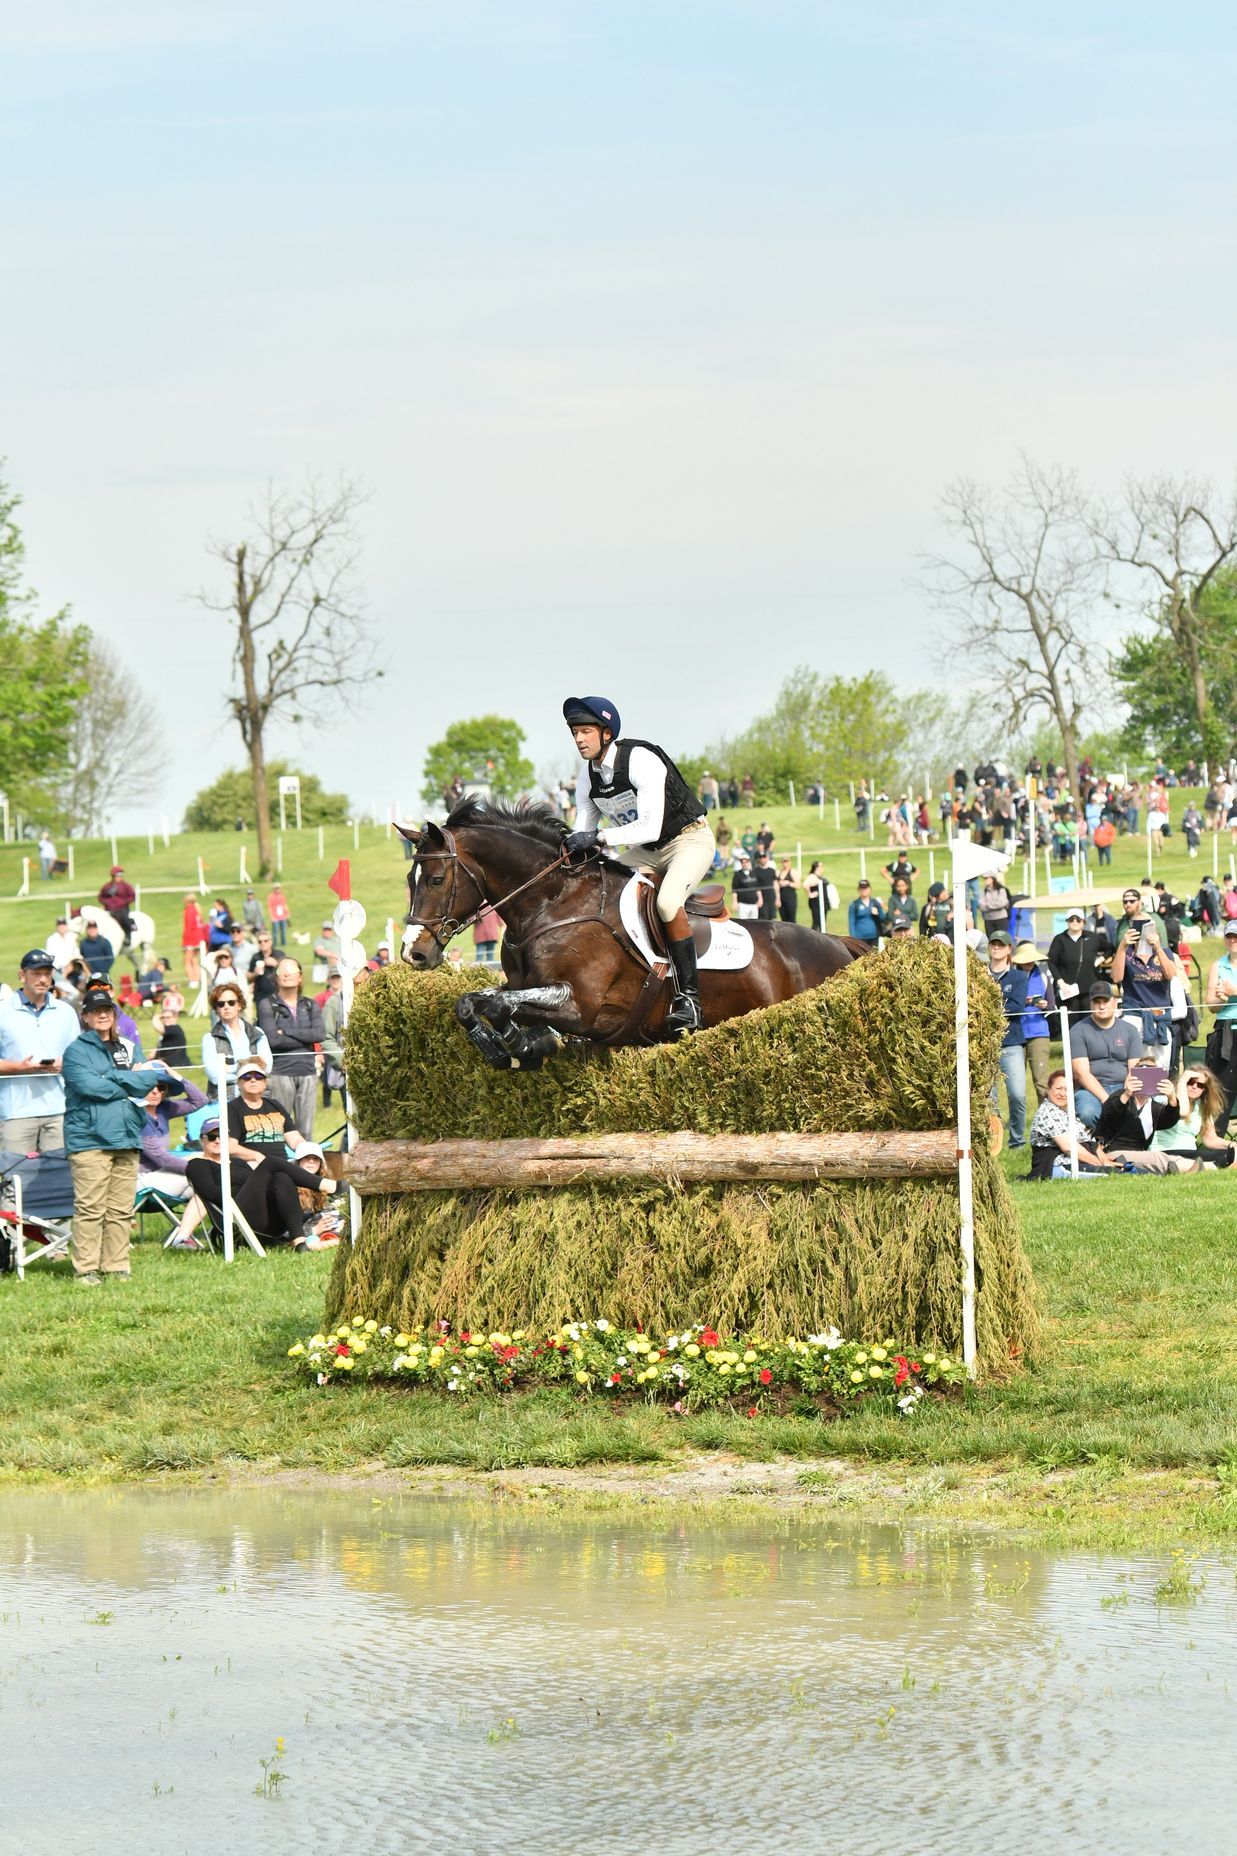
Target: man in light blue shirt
35	1031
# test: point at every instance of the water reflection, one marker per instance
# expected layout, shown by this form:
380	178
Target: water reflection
477	1674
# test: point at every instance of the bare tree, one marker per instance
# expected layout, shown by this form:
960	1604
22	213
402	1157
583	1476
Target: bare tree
299	633
116	752
1019	593
1177	534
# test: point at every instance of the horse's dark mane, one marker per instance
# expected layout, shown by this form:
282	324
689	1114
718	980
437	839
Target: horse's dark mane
527	816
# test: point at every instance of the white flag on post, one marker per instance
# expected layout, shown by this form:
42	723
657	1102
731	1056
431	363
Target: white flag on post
971	860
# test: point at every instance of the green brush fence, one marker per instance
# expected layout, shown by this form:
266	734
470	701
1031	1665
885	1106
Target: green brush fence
872	1049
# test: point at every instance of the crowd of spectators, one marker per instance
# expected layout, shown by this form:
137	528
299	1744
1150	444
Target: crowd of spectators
75	1075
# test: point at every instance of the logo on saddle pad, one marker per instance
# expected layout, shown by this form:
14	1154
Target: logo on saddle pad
730	945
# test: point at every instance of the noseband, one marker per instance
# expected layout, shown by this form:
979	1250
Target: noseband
449	926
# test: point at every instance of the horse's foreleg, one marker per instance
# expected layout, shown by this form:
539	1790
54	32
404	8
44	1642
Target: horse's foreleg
493	1020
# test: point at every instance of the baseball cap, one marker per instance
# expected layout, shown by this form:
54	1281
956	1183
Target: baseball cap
864	883
1000	939
96	1001
1074	915
936	889
62	921
209	1126
37	957
1230	929
1131	895
117	870
1102	990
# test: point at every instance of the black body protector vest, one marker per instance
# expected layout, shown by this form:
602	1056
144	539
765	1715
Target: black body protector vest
615	798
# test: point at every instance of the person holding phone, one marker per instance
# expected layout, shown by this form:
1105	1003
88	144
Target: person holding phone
1143	967
36	1029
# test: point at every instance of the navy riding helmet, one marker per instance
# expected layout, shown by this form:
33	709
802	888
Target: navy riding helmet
592	709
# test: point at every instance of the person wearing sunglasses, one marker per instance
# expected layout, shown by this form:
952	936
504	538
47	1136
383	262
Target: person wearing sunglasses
268	1192
1193	1141
230	1038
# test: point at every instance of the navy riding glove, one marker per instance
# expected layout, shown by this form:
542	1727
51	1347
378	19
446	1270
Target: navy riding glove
580	843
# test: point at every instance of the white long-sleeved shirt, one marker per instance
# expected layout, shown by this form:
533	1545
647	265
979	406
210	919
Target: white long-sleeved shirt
633	816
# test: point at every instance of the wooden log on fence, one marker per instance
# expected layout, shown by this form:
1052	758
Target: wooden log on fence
416	1166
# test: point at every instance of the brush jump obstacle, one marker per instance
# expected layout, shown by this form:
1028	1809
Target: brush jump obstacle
581	952
790	1168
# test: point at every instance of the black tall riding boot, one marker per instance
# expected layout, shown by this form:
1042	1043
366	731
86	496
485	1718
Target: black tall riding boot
684	1015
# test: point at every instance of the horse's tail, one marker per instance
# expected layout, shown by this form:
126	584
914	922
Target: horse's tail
858	948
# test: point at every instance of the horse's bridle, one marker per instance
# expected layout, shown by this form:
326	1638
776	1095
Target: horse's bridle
449	926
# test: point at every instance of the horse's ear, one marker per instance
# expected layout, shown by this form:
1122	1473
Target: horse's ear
408	833
431	836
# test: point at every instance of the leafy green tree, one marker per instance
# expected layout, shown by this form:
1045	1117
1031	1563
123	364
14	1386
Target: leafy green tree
1157	678
835	728
218	806
42	669
489	747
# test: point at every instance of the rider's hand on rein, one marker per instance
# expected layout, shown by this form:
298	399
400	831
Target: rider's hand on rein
578	844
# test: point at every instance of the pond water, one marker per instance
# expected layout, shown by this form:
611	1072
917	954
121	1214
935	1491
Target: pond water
465	1676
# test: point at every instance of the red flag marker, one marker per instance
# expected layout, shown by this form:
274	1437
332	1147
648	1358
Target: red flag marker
341	882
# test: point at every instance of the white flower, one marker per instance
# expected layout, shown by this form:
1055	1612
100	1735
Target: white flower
830	1340
572	1331
322	1378
602	1326
622	1360
673	1341
910	1399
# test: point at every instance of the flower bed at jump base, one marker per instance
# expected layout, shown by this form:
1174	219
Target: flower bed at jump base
871	1050
688	1371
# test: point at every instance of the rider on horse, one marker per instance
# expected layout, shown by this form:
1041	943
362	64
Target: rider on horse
632	801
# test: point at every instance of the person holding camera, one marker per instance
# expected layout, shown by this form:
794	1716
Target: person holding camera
36	1029
1143	967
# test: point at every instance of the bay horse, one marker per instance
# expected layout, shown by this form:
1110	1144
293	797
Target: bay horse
572	969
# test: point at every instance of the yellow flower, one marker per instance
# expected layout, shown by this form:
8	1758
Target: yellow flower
581	1379
713	1357
279	1744
944	1362
293	1351
874	1372
651	1373
401	1340
317	1340
856	1379
360	1346
577	1353
655	1356
472	1352
878	1353
500	1340
748	1357
929	1359
861	1359
519	1334
724	1367
691	1350
371	1327
345	1363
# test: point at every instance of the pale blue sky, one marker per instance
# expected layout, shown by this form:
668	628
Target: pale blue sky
655	329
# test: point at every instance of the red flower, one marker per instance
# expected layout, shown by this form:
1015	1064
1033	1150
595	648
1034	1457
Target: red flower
903	1372
342	1351
751	1411
916	1367
708	1337
766	1376
616	1379
465	1337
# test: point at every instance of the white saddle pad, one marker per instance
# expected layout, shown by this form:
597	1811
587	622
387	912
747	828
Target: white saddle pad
730	945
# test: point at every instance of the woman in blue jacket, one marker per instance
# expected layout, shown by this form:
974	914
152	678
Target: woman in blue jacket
1035	1026
104	1116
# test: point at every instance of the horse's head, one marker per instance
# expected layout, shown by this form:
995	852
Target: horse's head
441	891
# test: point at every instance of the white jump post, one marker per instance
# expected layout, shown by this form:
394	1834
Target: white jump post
279	854
356	834
837	812
225	1170
863	865
871	808
115	851
1047	871
321	846
201	877
71	872
1215	853
791	785
931	867
150	840
25	877
1068	1067
164	832
799	859
970	860
243	873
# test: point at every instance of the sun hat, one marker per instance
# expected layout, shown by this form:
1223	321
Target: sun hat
251	1066
1025	954
309	1147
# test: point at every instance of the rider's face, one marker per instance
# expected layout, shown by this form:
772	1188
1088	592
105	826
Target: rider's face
588	740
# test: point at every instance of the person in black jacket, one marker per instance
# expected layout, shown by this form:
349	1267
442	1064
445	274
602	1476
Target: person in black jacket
1072	959
294	1031
1126	1125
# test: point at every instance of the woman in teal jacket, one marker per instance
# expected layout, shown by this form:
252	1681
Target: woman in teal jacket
105	1113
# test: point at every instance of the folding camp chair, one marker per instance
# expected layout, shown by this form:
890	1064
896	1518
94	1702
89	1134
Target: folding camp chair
36	1207
153	1202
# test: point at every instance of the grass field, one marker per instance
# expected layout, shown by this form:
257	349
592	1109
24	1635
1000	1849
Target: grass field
1127	1431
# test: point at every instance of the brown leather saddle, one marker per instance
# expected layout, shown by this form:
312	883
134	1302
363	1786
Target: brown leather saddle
703	906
